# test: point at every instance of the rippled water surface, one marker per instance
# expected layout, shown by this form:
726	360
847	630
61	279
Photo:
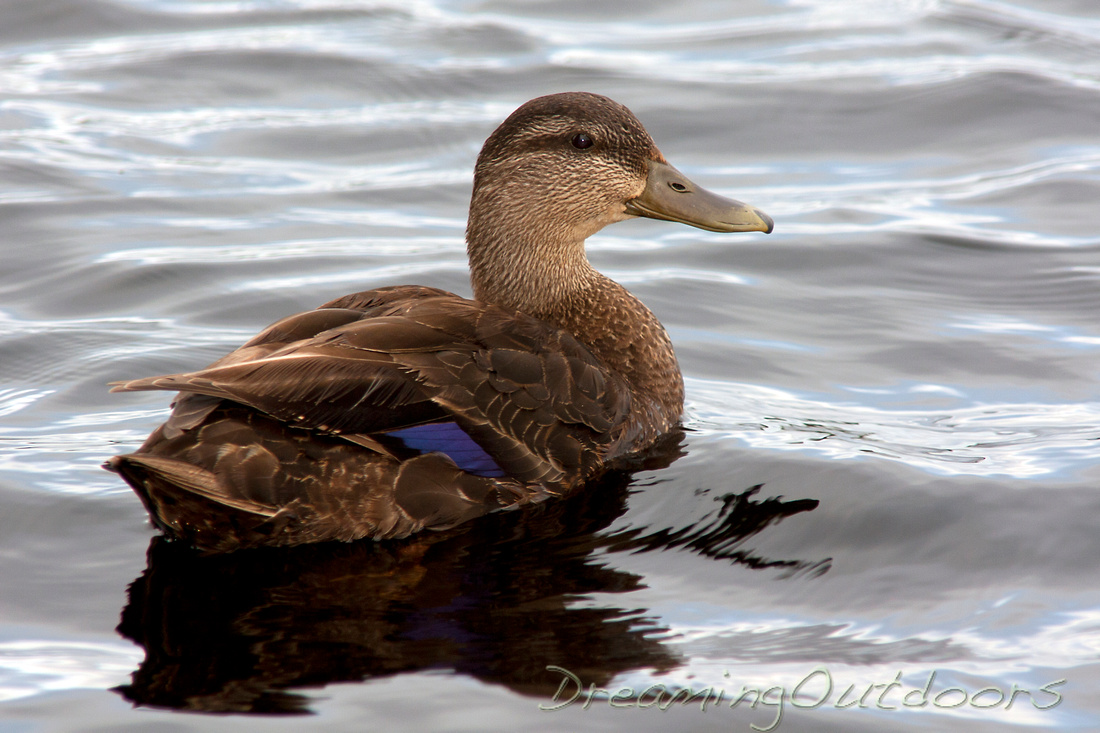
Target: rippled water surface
890	467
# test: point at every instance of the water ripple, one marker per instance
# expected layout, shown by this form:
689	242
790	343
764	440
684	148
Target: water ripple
1019	440
302	249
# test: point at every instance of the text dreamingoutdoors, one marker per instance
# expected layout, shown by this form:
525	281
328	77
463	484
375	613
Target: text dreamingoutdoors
815	690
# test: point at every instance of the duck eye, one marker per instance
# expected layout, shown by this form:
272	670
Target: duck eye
582	141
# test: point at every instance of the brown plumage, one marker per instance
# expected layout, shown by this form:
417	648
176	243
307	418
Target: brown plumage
399	409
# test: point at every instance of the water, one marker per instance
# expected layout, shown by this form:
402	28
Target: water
891	458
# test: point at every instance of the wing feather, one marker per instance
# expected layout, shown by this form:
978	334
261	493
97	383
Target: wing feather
530	395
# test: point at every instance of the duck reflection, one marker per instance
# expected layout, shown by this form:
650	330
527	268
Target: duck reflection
491	599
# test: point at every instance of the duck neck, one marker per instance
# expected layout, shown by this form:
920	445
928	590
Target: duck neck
522	265
544	273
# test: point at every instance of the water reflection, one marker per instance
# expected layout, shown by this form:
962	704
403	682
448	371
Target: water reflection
492	599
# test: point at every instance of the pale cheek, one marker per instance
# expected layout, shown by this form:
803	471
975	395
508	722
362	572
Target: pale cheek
599	215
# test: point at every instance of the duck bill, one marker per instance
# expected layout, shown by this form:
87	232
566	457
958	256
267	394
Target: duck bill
671	195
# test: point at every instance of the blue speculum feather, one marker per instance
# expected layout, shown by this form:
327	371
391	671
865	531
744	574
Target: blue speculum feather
448	438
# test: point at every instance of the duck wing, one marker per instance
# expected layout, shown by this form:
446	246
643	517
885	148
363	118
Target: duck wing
409	370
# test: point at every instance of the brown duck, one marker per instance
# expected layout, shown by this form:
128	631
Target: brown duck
406	408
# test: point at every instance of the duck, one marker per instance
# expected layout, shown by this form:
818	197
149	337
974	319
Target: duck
407	408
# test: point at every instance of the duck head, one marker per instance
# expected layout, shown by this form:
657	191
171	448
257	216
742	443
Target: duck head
559	169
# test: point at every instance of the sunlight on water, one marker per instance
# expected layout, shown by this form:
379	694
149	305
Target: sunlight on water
1019	440
32	667
330	247
382	274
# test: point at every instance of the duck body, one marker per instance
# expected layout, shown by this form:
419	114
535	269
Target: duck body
399	409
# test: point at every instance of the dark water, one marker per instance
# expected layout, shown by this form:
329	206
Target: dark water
890	465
